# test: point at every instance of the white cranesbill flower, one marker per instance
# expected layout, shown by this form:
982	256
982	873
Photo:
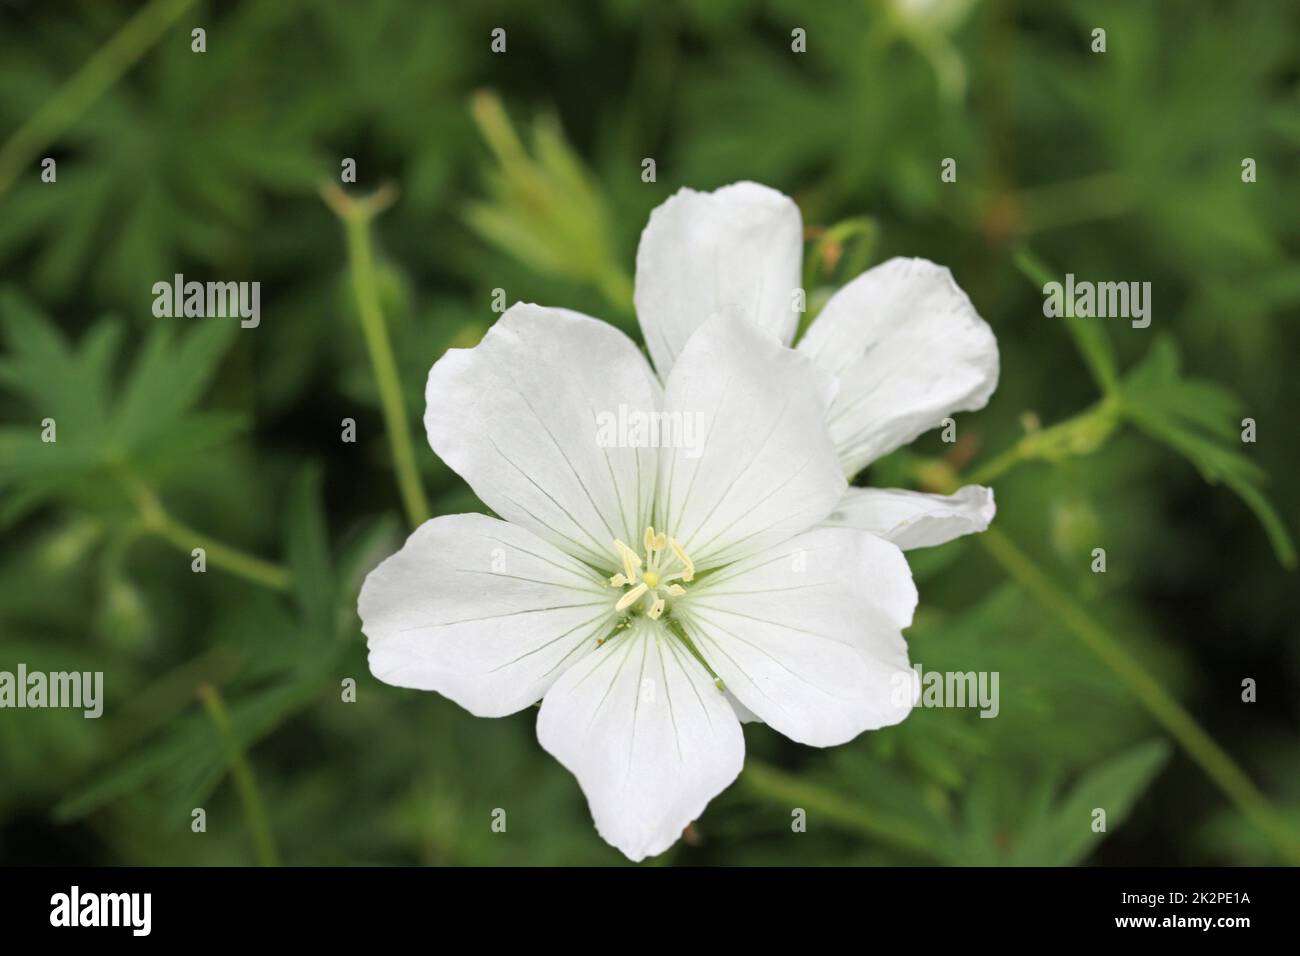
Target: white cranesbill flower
905	343
650	597
653	596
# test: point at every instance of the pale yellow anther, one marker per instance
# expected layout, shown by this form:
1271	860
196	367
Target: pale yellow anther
631	560
617	581
689	574
631	597
675	590
656	609
653	542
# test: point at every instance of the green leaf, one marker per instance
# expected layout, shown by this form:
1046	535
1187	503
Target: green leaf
1199	420
146	422
47	372
168	379
189	759
309	557
1063	836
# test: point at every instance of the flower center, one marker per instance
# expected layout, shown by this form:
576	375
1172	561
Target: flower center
652	581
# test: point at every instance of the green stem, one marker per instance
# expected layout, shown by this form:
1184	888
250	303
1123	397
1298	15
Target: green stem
259	824
220	555
1090	339
156	520
87	85
776	786
1078	435
357	216
844	249
1208	755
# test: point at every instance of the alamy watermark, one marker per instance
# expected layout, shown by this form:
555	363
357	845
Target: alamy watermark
923	688
631	428
1102	300
209	299
130	910
79	690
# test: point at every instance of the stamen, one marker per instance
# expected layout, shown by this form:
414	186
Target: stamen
653	542
630	598
651	578
689	573
631	560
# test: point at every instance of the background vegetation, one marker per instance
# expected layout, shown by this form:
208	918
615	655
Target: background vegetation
522	171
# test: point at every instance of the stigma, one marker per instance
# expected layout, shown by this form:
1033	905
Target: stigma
653	580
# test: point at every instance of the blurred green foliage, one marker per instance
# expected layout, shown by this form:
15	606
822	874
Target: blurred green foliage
1123	165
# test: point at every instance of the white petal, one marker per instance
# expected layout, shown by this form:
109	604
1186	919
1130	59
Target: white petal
808	635
481	611
913	519
909	349
746	715
765	469
519	417
741	247
649	736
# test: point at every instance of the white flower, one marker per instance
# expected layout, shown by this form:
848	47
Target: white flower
904	341
654	597
627	587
